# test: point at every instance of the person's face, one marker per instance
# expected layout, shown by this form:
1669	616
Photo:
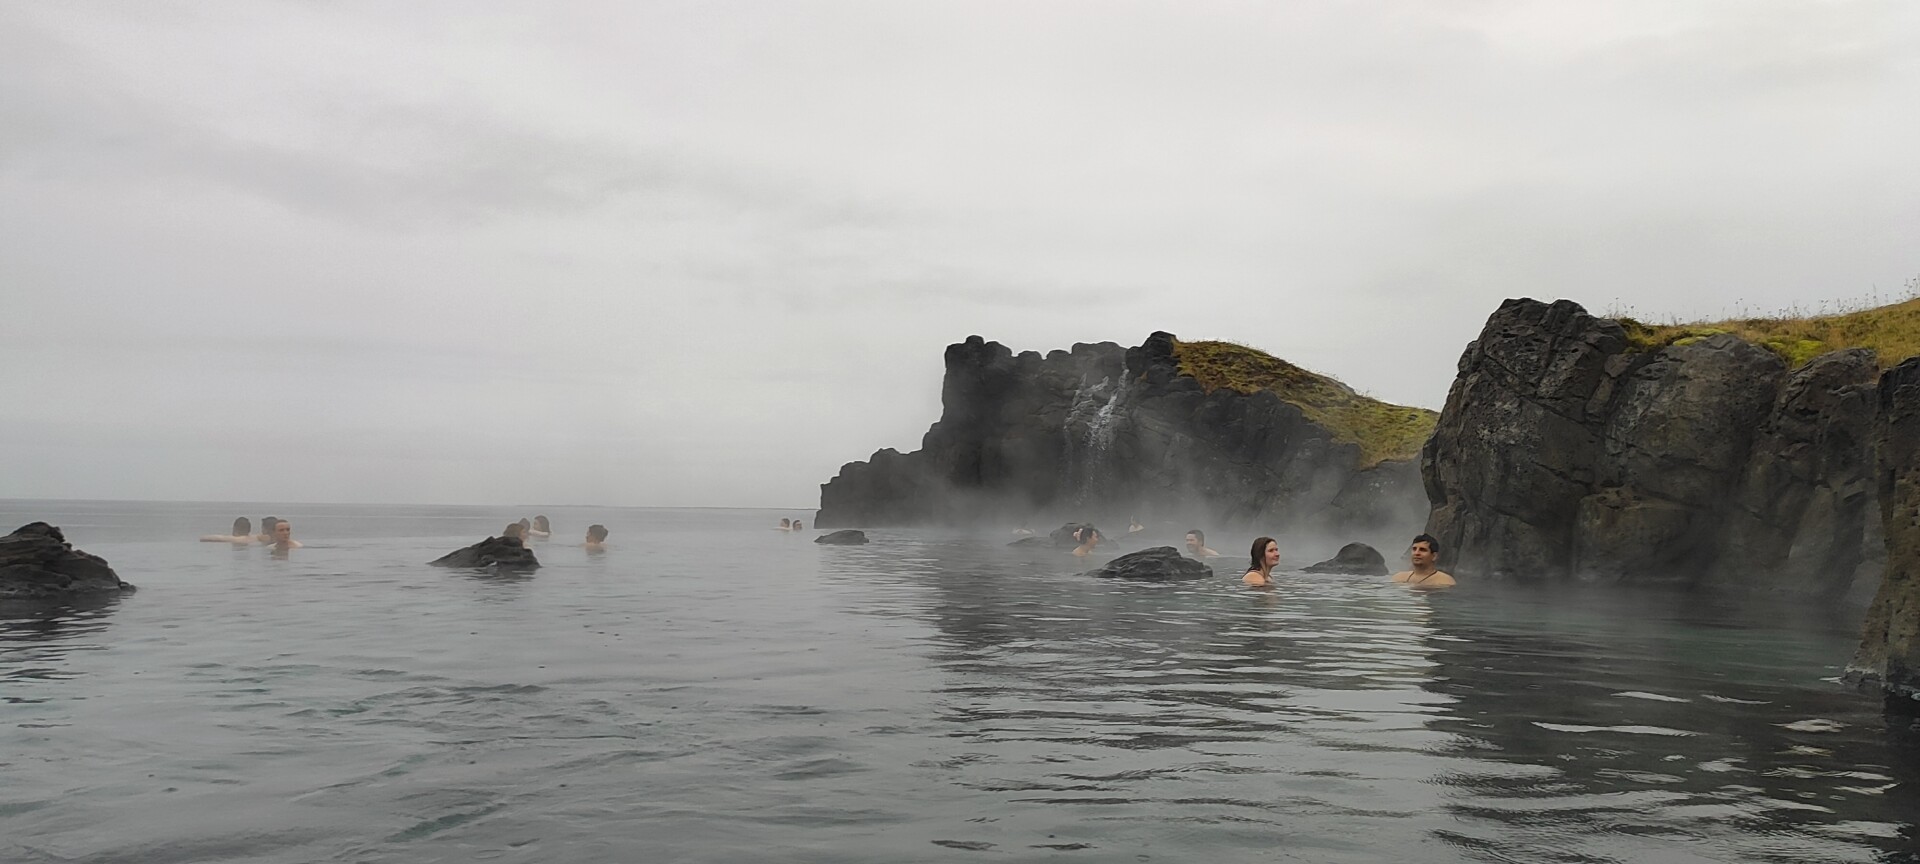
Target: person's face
283	531
1271	557
1422	554
1193	543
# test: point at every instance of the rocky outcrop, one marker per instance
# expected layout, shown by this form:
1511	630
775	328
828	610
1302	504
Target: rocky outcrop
496	553
1353	559
1567	451
1889	652
1106	432
1159	564
37	562
848	537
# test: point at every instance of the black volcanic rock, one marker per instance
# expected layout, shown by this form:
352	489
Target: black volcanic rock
1067	536
1567	452
1354	559
502	553
1159	564
36	561
848	537
1033	543
1103	430
1889	653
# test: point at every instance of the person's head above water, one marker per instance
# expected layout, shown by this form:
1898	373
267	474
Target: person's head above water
1265	554
514	530
1196	539
242	527
541	524
786	523
596	533
1424	551
797	526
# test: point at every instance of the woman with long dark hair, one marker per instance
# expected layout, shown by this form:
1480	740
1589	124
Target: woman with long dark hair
1264	556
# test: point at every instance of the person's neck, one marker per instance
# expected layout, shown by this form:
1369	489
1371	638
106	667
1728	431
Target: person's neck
1428	570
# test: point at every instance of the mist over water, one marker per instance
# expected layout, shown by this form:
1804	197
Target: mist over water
712	690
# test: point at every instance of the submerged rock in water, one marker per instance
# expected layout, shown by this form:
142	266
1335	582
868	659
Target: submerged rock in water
37	561
1033	543
1889	653
504	553
1159	564
848	537
1354	559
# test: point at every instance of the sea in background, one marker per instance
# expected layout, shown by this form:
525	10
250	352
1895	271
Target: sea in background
711	690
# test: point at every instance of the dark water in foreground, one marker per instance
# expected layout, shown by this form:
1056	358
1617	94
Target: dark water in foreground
710	690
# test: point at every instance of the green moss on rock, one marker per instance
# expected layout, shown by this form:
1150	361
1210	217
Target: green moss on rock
1382	431
1892	332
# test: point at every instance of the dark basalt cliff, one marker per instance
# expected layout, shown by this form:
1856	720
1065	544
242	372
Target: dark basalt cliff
1889	652
37	562
1105	431
1567	451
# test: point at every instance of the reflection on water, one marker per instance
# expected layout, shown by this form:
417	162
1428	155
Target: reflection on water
712	691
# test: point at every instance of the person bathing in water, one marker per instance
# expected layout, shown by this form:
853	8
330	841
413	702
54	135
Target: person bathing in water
241	536
1197	545
266	530
283	536
596	538
1426	572
1263	557
785	525
797	526
1088	538
1134	526
542	529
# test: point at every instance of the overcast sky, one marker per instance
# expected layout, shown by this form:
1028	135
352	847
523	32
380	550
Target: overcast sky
703	253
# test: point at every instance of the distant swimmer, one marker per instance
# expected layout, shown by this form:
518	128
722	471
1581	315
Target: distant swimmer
541	528
283	536
266	530
241	536
1134	526
1263	557
797	526
1023	531
1426	572
516	531
1088	537
596	538
526	530
785	525
1197	545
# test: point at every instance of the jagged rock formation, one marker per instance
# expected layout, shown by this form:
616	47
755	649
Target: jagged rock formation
1353	559
848	537
1101	431
500	553
1567	450
1158	564
37	562
1889	652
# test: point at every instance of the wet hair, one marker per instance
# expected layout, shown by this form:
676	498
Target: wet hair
786	523
540	523
242	527
1259	554
514	530
1427	539
1086	534
266	525
1199	536
523	523
797	526
596	533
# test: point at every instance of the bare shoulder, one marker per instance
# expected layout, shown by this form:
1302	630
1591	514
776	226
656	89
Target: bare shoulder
1441	578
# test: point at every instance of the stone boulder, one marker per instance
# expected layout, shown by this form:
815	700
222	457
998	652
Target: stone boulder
498	553
1159	564
37	562
1354	559
1063	536
1568	451
848	537
1033	543
1104	431
1889	653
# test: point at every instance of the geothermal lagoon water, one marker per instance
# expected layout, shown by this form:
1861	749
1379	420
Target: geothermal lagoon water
711	690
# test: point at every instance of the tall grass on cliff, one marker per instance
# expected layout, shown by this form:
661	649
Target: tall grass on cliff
1798	335
1383	431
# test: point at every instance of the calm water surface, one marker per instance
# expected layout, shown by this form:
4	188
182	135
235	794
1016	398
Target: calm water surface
711	690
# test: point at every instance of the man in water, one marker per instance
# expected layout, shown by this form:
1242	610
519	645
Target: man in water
515	531
1425	552
283	536
1197	545
596	538
266	530
241	536
1089	537
785	525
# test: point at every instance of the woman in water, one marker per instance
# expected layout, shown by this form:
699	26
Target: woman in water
786	525
541	528
242	533
1089	537
1264	556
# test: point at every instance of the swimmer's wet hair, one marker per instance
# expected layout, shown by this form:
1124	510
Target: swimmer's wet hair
1198	535
242	526
1258	557
1427	539
596	532
540	523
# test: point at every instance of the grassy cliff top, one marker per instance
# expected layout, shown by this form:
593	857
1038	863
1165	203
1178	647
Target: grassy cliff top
1382	431
1892	331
